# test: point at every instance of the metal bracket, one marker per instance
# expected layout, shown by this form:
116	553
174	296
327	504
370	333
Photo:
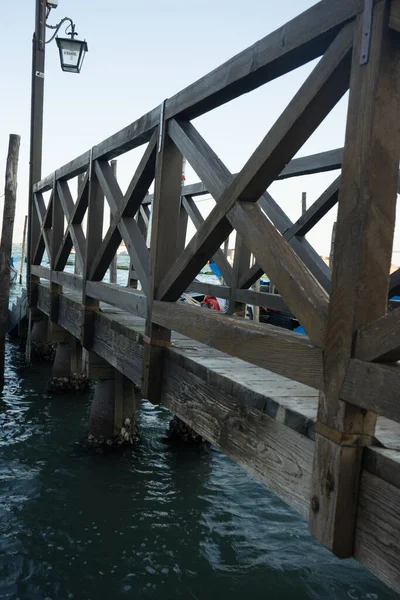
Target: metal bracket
161	127
366	31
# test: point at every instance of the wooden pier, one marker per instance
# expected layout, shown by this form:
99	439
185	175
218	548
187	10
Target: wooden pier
315	417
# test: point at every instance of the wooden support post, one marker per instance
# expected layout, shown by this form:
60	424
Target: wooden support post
94	236
112	413
163	246
81	183
241	264
10	198
76	355
113	265
21	270
332	251
303	203
256	309
57	233
142	218
362	257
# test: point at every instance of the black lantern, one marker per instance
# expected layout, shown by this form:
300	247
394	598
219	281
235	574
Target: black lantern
72	53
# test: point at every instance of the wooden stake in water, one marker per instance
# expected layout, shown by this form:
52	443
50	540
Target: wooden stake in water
10	197
21	270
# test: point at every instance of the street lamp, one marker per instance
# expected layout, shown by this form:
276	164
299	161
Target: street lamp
72	53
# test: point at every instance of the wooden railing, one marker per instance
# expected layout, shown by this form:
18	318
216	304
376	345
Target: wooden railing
351	343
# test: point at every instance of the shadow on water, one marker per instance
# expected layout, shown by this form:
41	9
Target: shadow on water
164	521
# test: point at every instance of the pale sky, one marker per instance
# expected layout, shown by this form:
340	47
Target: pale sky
139	54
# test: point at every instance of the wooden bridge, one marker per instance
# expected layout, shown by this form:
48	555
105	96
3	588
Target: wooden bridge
314	417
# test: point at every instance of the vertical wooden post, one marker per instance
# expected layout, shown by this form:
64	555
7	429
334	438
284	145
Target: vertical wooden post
362	257
10	198
81	180
182	230
256	309
94	236
142	219
241	264
164	237
303	203
57	233
331	253
113	265
23	251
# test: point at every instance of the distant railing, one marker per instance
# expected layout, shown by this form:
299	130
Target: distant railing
350	339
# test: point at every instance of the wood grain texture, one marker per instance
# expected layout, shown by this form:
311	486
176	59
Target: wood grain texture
367	202
380	340
373	387
378	529
116	295
362	257
278	350
282	460
163	252
336	470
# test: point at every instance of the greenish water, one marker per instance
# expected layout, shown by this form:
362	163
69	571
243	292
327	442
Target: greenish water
160	522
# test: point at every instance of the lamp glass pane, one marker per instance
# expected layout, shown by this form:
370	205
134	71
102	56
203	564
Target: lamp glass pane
70	53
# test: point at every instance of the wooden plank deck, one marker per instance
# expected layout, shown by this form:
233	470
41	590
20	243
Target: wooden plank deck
263	421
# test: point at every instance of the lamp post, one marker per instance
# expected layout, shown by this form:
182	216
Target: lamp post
72	53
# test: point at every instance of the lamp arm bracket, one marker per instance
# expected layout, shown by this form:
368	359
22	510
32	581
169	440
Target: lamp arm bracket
58	26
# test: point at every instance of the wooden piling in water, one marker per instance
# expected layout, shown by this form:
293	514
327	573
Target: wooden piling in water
10	198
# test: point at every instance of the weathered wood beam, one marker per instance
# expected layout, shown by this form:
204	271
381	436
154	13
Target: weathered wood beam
44	217
394	19
121	297
314	214
331	160
305	297
304	38
163	250
74	228
127	226
263	345
316	97
197	219
362	257
42	272
57	232
373	387
380	340
241	264
94	235
300	245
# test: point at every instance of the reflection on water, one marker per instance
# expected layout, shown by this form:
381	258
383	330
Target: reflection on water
160	523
